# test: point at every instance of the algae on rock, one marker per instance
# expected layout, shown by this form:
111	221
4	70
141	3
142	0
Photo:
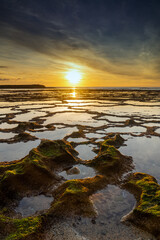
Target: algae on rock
146	214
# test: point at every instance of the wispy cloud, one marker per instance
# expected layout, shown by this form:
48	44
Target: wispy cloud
116	38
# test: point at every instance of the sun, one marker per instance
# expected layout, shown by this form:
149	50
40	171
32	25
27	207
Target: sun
74	76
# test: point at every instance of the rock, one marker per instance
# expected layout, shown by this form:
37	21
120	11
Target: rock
74	170
146	214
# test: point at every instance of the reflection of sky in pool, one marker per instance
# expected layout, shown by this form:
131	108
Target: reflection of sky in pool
28	206
15	151
77	140
5	125
85	151
95	135
6	135
73	118
55	134
25	117
134	129
111	204
85	172
146	154
158	130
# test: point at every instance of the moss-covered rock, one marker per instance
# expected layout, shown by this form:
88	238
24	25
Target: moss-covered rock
110	161
15	229
146	214
23	126
23	137
130	122
116	141
36	171
72	197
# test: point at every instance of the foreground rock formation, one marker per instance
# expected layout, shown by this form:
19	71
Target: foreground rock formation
38	173
146	214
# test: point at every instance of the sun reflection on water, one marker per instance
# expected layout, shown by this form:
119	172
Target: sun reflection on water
73	94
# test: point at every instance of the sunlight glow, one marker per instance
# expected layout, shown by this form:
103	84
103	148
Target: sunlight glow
74	76
74	94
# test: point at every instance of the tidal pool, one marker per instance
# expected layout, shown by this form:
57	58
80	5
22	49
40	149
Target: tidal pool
28	206
114	118
6	135
158	130
5	125
135	110
25	117
16	151
56	134
134	129
86	151
151	124
111	204
73	118
95	135
77	140
146	154
85	172
7	111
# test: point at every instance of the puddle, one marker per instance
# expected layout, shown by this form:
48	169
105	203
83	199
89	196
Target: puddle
158	130
7	126
77	140
36	106
111	203
143	103
16	151
85	172
25	117
73	118
94	135
7	111
86	151
146	154
114	118
55	109
6	135
134	110
55	134
151	124
28	206
134	129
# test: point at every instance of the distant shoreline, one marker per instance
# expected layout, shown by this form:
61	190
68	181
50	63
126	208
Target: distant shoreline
22	86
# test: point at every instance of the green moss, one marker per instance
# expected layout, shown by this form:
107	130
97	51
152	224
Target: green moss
72	197
117	140
53	148
24	227
107	158
75	187
150	193
19	228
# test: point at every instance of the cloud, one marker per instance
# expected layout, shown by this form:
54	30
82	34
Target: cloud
4	79
3	66
109	36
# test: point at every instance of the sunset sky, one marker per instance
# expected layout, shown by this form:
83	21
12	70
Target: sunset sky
107	42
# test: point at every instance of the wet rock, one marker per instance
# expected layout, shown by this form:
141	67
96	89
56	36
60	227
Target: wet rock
72	197
72	171
130	122
24	137
116	141
146	214
111	162
23	126
35	171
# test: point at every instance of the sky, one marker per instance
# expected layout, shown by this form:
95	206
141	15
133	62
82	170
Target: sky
108	42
